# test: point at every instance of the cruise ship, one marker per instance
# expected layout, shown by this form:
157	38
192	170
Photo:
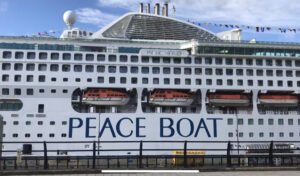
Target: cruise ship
146	77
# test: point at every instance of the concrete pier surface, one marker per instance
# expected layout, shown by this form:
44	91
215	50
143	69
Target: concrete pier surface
226	173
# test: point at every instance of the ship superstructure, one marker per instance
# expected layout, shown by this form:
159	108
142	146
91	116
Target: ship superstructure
147	77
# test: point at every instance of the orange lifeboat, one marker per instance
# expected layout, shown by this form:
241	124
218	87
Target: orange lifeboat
288	100
228	100
105	97
171	98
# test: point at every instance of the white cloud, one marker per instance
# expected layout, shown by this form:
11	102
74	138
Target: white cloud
94	16
248	12
3	6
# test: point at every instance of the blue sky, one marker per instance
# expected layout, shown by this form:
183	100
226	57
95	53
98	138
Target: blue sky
26	17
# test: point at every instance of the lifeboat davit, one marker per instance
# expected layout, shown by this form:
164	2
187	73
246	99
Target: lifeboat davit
171	98
105	97
279	100
228	100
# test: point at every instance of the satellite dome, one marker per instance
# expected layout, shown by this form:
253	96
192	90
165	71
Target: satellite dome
70	18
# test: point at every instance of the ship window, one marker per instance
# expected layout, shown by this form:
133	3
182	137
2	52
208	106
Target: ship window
63	135
230	134
278	62
42	56
66	68
112	80
270	83
229	72
228	61
166	81
100	57
259	62
239	61
198	60
18	78
5	78
78	57
240	121
42	78
229	82
145	81
188	71
10	104
260	83
53	79
145	70
155	81
155	70
6	55
279	73
290	122
261	134
219	82
251	134
260	121
55	56
100	69
89	68
30	67
208	82
298	83
29	78
198	71
198	82
281	134
134	70
65	91
249	72
298	73
30	55
64	123
134	58
208	61
177	60
123	80
177	81
166	60
134	80
54	67
42	67
123	69
39	135
18	67
52	122
15	135
250	82
240	82
89	57
271	134
269	72
123	58
112	69
15	122
27	135
239	72
219	61
259	72
208	71
290	83
291	134
100	79
269	62
166	70
229	121
288	63
177	71
297	63
17	91
28	123
19	55
112	58
155	60
279	83
41	108
280	121
76	80
241	134
6	66
29	91
54	90
249	62
289	73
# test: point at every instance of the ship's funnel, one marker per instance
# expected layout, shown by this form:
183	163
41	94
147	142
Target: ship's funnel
141	8
156	9
148	8
166	10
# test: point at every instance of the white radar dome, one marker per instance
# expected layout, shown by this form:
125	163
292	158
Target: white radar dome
70	18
